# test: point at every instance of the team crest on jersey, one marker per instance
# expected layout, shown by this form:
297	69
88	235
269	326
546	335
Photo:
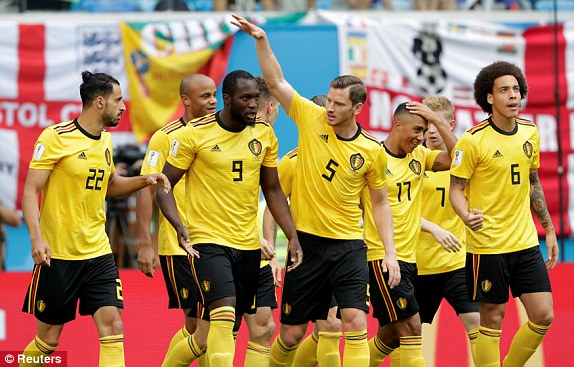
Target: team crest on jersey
205	285
108	155
41	305
527	147
357	161
286	309
255	147
415	166
184	292
486	285
402	303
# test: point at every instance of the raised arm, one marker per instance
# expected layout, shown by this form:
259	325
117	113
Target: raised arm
35	182
538	206
272	73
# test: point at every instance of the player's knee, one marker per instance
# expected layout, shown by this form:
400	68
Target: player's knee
262	331
117	326
332	324
544	318
291	335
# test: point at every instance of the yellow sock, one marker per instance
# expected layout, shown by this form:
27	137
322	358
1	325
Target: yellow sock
35	349
202	361
183	353
473	338
112	351
356	352
411	351
179	336
396	358
256	355
306	355
282	355
488	347
221	345
524	344
378	351
328	349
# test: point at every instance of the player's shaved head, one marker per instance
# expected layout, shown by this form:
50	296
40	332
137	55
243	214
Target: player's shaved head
189	82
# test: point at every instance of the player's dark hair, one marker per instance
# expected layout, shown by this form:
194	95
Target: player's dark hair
319	100
230	81
357	89
484	82
264	92
95	85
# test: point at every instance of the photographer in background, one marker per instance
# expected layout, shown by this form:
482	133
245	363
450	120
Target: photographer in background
11	218
120	211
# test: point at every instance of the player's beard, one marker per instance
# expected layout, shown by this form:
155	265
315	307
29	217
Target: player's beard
237	116
111	121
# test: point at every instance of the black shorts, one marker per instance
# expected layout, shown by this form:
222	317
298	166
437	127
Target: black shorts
399	303
489	276
330	268
54	291
431	289
266	296
179	282
223	271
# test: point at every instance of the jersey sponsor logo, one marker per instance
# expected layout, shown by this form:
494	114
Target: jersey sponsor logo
497	154
152	158
286	309
82	156
184	292
255	147
402	303
486	285
415	166
205	285
108	156
215	148
41	305
39	151
325	137
357	161
528	149
174	147
457	157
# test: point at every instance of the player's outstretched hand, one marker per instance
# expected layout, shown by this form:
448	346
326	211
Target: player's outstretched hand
147	260
159	179
296	254
184	242
552	245
448	240
41	252
249	28
391	265
267	250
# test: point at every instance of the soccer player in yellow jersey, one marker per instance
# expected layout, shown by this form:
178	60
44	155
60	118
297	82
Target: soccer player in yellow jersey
72	168
397	309
336	160
198	97
441	274
226	156
494	185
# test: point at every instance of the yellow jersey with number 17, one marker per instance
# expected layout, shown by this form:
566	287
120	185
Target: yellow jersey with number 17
72	212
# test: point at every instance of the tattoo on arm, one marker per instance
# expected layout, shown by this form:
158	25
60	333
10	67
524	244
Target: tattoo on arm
538	202
436	166
458	181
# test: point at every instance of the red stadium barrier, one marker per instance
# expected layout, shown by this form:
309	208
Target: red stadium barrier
149	326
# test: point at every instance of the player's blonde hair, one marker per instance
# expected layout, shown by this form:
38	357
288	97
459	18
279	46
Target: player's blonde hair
440	104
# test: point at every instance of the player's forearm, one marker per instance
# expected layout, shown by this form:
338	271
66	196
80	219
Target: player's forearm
458	200
167	205
9	217
447	136
122	186
383	218
427	226
268	63
31	213
269	227
279	208
538	203
144	210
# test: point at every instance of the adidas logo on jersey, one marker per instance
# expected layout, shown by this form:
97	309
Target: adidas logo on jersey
497	154
215	148
325	137
82	156
389	173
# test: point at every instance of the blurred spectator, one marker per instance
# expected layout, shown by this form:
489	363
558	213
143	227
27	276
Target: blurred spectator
10	218
175	5
245	5
47	4
435	4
